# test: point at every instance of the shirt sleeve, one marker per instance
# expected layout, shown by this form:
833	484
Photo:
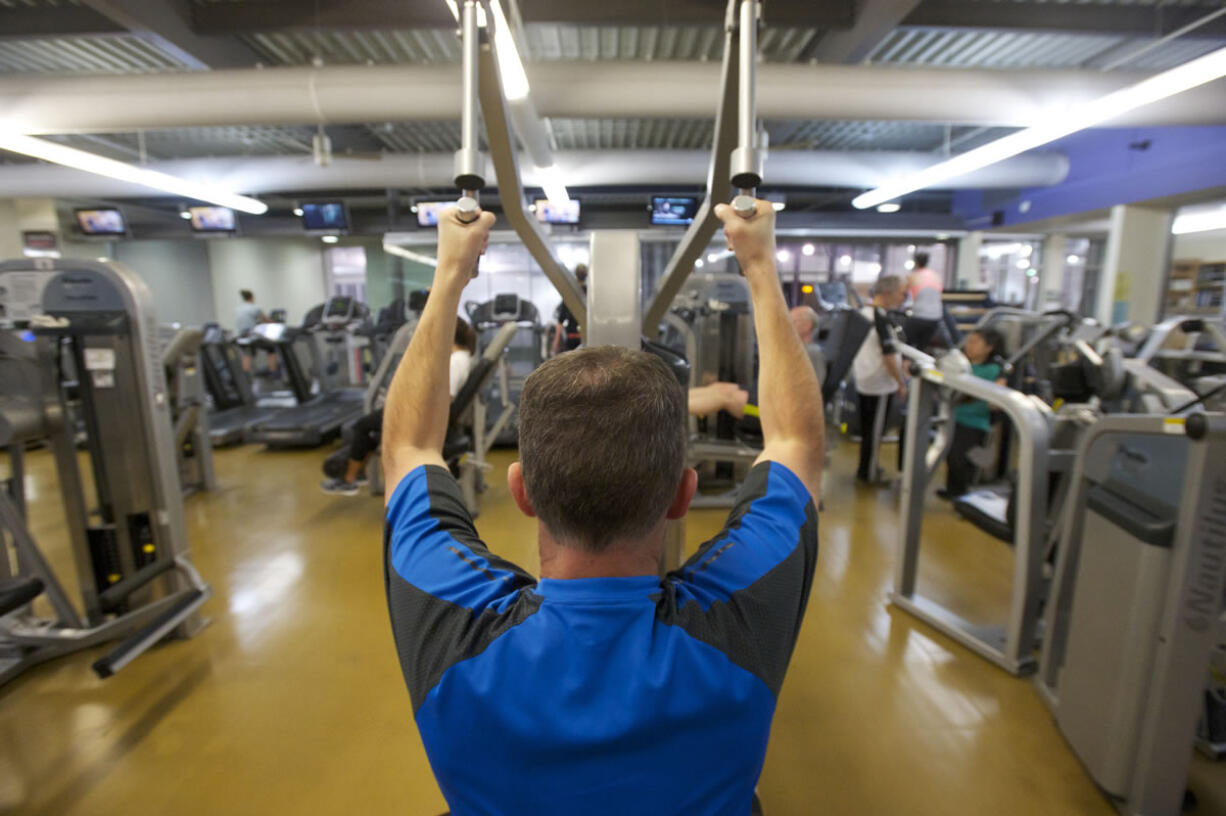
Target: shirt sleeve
885	331
448	595
745	591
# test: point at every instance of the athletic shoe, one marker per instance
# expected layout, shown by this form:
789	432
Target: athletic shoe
339	487
361	480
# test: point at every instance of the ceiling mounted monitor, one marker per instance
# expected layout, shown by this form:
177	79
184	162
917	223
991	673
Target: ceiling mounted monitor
108	221
547	212
212	219
325	216
428	212
673	211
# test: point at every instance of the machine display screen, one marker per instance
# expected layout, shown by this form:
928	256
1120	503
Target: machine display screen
428	212
324	215
549	213
101	222
673	211
339	307
212	219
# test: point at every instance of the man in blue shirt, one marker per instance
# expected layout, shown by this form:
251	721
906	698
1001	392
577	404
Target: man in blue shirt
602	688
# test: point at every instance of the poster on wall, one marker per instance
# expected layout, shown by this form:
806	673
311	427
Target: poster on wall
40	244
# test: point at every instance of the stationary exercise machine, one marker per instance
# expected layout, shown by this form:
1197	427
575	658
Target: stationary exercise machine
188	407
1135	602
234	404
524	353
136	580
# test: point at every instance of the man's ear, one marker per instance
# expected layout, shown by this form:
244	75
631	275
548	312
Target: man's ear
515	481
685	492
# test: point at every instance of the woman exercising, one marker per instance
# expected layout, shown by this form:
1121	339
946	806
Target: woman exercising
368	431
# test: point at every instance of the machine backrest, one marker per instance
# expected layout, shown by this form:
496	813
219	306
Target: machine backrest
481	372
848	328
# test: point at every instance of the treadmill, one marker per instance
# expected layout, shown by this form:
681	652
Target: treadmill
319	419
235	405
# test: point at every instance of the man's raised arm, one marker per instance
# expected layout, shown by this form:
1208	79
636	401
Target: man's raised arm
418	401
789	397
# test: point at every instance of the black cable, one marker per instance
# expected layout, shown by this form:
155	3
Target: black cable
1210	393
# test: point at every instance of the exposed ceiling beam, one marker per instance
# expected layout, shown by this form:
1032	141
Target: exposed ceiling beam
877	18
17	22
165	24
282	15
1154	21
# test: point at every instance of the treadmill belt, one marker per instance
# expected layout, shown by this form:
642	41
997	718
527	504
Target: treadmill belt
987	509
311	424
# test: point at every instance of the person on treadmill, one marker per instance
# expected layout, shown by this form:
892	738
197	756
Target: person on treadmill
368	431
602	687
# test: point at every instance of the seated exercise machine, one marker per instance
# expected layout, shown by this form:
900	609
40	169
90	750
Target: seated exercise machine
524	354
188	407
136	580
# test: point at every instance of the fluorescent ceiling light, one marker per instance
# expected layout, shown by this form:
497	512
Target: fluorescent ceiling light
1056	126
889	208
121	171
808	250
514	80
1199	222
297	211
394	249
551	182
329	239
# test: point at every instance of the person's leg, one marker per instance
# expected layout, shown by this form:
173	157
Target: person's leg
367	433
868	415
959	470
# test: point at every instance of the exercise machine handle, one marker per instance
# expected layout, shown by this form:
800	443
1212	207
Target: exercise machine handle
468	172
746	159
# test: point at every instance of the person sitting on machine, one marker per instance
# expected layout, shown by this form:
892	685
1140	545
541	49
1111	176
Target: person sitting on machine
368	430
567	334
602	688
878	369
984	349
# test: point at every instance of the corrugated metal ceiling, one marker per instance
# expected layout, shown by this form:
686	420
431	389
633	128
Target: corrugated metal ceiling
101	54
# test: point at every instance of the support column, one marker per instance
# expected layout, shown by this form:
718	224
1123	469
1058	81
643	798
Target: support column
10	232
1135	265
615	298
966	275
1051	272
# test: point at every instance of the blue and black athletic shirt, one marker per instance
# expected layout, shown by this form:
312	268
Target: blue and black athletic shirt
635	695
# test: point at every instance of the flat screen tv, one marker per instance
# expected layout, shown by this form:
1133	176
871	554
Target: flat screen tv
549	213
107	221
212	219
324	215
673	211
428	212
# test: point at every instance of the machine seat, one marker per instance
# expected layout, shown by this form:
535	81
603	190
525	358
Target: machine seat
17	592
988	509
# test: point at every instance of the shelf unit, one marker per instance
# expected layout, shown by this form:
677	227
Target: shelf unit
1196	287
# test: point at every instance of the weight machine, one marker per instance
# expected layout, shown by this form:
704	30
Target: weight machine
128	541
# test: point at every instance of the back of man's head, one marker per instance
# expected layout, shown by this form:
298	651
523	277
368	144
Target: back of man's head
247	295
602	444
921	260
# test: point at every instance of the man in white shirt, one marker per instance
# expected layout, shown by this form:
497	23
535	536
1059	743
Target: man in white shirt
247	315
878	368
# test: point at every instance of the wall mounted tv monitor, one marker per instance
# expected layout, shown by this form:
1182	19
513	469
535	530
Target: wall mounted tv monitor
428	212
101	222
673	211
324	215
549	213
212	219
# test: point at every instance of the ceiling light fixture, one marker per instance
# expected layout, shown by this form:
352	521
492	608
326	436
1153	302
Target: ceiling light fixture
892	207
1199	222
130	173
329	239
185	215
551	182
808	250
1160	86
298	211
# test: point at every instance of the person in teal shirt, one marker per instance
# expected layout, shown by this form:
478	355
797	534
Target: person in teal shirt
973	420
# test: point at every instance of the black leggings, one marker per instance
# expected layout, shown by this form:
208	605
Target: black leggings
367	433
959	470
868	418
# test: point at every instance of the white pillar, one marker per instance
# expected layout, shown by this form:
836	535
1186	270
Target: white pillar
10	232
967	273
1133	276
614	296
1051	272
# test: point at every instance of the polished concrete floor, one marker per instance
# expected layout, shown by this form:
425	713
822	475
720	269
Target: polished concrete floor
292	700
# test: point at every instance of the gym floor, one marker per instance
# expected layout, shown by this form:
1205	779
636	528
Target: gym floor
292	700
